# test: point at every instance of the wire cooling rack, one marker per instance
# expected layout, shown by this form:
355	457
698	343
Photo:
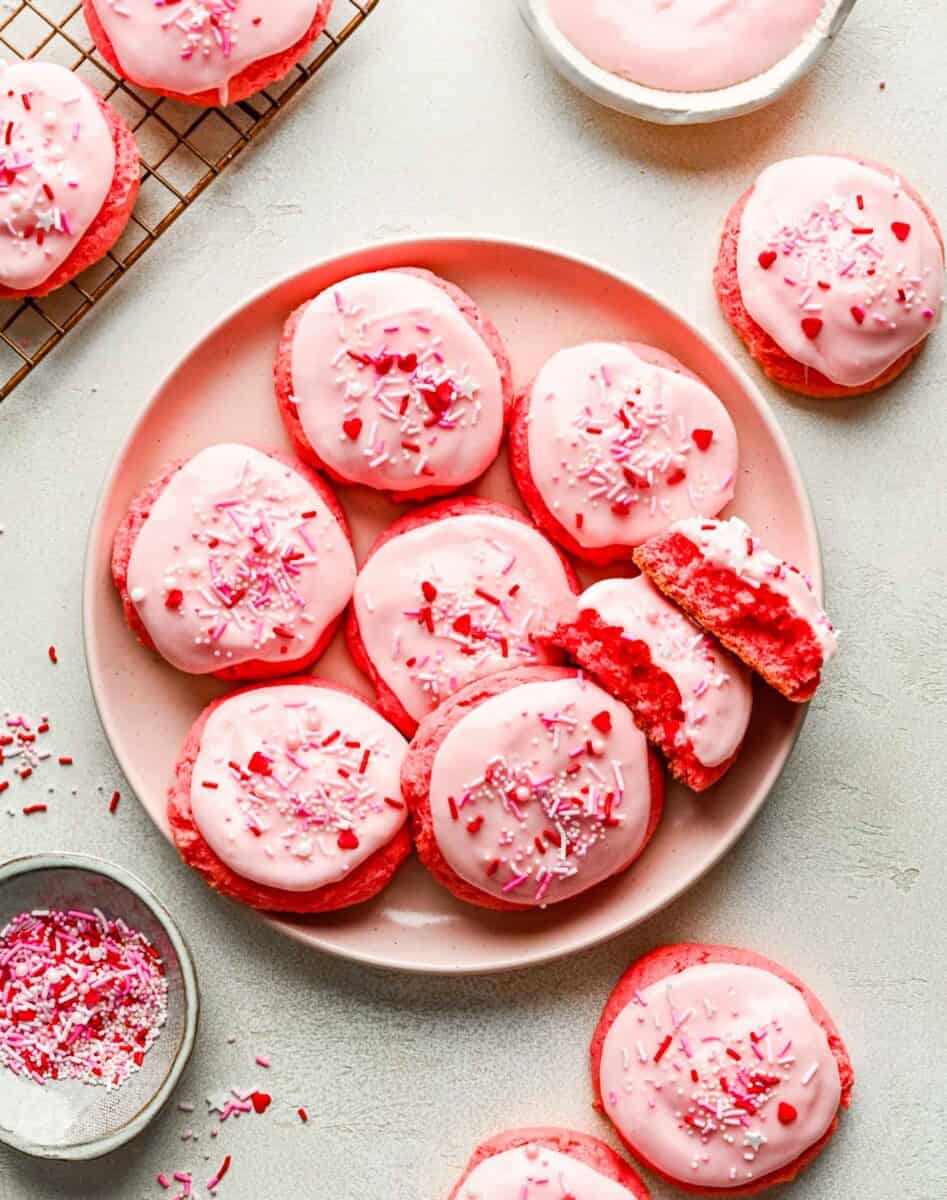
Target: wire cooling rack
183	149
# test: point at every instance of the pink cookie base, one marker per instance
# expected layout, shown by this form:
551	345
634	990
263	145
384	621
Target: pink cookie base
252	79
624	669
364	882
283	381
670	960
416	779
580	1146
775	362
124	543
111	218
461	506
766	633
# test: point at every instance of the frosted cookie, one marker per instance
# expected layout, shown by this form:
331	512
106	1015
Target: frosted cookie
547	1164
394	380
831	270
235	563
720	1070
452	593
530	787
685	45
762	608
68	177
204	52
688	696
613	442
287	797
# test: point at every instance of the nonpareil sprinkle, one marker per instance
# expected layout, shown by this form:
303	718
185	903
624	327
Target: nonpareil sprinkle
82	997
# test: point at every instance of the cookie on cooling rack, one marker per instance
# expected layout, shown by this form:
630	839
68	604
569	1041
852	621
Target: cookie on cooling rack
69	169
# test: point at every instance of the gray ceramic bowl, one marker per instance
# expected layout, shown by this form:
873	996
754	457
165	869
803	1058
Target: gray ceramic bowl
71	1120
683	108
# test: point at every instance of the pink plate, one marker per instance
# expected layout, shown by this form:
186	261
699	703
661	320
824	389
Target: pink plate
540	300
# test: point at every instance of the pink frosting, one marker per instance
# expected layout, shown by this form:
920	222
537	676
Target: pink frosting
732	544
716	692
837	262
294	786
190	46
619	448
685	45
719	1075
240	559
394	388
550	785
453	600
57	162
536	1173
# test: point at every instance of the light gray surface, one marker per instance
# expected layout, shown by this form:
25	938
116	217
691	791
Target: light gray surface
444	117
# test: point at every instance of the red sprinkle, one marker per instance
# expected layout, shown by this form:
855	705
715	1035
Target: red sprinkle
786	1113
663	1049
259	764
702	438
678	475
429	591
493	866
393	803
33	808
767	258
352	427
261	1101
113	803
858	313
603	721
347	839
53	656
174	598
302	1114
811	327
901	230
475	825
65	760
452	805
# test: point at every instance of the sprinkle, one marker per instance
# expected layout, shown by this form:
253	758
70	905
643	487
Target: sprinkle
811	327
767	258
303	1115
113	803
53	656
901	230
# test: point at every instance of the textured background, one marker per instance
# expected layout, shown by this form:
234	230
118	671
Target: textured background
445	117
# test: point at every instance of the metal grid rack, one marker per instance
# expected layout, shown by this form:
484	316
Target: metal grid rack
183	149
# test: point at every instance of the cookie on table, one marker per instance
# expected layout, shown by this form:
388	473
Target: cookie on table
686	693
760	607
719	1069
613	442
287	797
530	787
831	270
205	52
235	563
547	1163
69	169
394	380
451	593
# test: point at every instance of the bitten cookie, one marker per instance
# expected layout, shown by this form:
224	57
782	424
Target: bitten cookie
235	563
547	1164
529	788
613	442
69	173
287	797
394	380
688	696
205	52
761	608
452	593
720	1070
831	270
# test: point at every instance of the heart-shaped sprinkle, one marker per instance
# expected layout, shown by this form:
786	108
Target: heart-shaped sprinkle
462	624
261	1101
603	721
174	598
259	764
811	327
858	313
901	230
786	1113
352	427
347	840
384	363
429	591
702	438
767	258
678	475
408	362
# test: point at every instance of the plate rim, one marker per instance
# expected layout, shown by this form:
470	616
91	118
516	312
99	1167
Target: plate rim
398	245
662	107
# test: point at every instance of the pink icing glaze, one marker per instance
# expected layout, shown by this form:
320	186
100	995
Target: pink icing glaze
732	544
230	565
557	764
497	582
685	45
393	387
839	265
191	46
716	692
612	447
536	1173
301	777
767	1084
57	161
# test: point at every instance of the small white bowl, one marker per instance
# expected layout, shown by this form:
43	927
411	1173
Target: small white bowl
69	1120
684	108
